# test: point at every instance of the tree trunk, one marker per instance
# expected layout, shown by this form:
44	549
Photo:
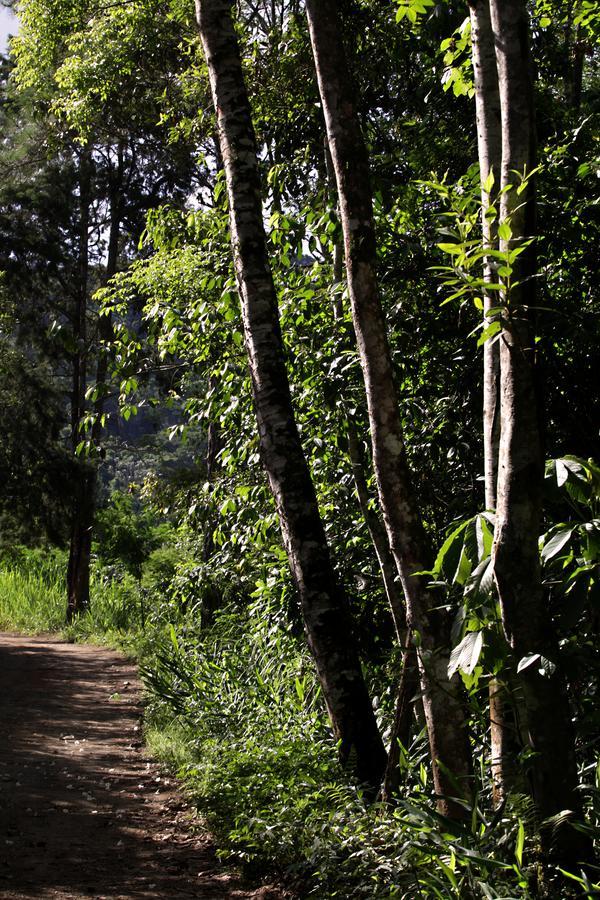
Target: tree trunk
324	606
377	533
489	145
525	617
85	498
403	719
409	679
503	733
446	720
78	572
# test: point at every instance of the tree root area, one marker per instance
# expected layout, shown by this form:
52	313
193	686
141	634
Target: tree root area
83	812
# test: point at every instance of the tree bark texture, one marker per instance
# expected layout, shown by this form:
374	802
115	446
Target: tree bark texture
525	616
377	532
446	720
409	679
489	146
324	606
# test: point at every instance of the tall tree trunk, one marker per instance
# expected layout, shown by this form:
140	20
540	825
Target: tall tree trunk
324	606
489	145
377	532
409	678
85	499
445	713
78	572
525	617
503	743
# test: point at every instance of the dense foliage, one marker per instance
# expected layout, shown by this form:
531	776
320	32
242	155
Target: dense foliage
131	281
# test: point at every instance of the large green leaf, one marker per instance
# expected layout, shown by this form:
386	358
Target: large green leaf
466	655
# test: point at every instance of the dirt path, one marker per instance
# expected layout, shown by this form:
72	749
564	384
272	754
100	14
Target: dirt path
83	813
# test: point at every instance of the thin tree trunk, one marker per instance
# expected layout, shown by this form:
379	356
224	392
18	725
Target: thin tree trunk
78	572
525	617
489	145
503	743
324	606
409	679
377	533
444	710
85	501
403	718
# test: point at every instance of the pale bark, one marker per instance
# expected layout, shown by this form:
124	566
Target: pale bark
489	146
445	714
324	606
526	621
503	743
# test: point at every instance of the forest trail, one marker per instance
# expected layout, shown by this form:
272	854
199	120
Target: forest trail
83	813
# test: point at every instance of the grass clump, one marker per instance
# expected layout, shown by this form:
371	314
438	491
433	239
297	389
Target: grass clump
32	592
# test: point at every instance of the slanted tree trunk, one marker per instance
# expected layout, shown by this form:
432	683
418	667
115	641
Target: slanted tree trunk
525	615
324	606
377	533
409	678
444	710
403	720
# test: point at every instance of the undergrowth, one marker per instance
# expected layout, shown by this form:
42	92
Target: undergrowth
233	706
254	749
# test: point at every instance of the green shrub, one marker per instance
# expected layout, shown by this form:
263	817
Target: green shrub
127	533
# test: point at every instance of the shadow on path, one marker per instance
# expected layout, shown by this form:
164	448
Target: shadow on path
82	812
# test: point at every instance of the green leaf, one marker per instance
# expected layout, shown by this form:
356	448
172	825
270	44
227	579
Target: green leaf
527	661
466	655
488	184
491	331
546	666
520	844
556	543
452	249
504	231
485	536
463	570
450	550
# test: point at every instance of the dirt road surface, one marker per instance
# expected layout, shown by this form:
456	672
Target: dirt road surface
83	812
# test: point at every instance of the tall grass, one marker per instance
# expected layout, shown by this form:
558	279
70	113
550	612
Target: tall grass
33	599
30	602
